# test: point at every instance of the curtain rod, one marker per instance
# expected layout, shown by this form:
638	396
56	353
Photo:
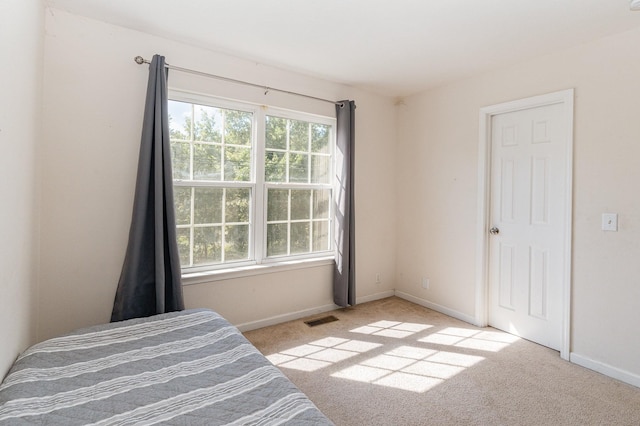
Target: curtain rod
140	60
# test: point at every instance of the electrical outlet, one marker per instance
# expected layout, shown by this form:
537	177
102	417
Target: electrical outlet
610	221
378	280
425	283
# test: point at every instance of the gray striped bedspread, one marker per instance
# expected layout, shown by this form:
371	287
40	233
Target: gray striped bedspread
184	368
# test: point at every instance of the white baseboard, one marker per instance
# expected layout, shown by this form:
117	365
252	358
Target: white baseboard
434	306
375	296
278	319
606	369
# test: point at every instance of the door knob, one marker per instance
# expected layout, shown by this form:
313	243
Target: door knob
494	231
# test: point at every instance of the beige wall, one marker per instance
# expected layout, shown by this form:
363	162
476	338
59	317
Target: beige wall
21	36
424	151
437	191
93	102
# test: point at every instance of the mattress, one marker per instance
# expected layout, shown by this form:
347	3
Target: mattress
185	368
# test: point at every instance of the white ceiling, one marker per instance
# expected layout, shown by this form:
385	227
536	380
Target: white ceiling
393	47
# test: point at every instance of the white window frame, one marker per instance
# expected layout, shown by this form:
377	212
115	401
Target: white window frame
258	262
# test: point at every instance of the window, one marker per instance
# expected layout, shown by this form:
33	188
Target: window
251	185
297	174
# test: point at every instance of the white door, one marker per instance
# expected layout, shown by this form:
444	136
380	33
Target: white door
528	220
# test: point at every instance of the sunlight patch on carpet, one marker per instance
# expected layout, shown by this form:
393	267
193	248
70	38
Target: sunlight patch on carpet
320	353
305	364
409	382
470	339
417	366
409	368
393	329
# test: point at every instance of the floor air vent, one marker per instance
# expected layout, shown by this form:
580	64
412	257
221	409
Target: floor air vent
319	321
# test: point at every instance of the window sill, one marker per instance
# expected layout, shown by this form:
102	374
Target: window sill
247	271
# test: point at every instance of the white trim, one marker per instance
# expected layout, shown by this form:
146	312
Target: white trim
564	97
278	319
375	296
565	350
439	308
251	270
258	250
482	242
257	261
606	369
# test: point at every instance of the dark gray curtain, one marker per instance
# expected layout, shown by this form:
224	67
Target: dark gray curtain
150	281
344	275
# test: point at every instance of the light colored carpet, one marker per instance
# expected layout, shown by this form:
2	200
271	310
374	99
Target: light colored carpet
392	362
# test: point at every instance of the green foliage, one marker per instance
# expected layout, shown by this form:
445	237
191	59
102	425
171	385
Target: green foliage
206	162
207	205
206	127
275	166
215	158
177	134
277	237
275	133
237	205
215	145
182	203
277	204
298	168
320	202
320	138
237	164
300	202
298	135
300	238
237	129
236	242
207	245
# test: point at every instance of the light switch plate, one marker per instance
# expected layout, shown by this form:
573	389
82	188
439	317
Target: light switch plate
609	221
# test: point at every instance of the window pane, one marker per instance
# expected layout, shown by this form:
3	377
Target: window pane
320	169
207	205
276	132
300	202
206	162
215	146
277	204
236	242
208	124
237	164
184	242
237	129
300	237
275	166
207	245
321	204
320	138
277	239
180	120
237	205
182	202
298	135
180	159
321	236
298	168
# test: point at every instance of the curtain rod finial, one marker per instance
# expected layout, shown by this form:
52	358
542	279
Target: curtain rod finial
139	60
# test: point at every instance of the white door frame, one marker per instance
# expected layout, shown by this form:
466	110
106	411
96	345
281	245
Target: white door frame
482	249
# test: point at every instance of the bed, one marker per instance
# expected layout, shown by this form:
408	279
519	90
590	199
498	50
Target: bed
185	368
